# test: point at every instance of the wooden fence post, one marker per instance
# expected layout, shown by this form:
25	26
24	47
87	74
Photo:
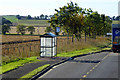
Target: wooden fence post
8	50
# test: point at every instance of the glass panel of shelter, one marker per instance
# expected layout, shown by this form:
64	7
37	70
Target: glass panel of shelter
48	42
48	52
43	41
48	46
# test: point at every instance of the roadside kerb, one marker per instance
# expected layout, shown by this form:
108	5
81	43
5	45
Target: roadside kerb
71	58
47	69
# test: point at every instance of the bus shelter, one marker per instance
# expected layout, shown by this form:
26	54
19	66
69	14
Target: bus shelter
48	45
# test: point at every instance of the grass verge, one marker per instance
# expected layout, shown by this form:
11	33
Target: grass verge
83	51
68	54
15	64
34	72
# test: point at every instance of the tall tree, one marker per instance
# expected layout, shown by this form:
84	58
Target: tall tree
31	29
65	16
29	17
18	16
5	25
5	28
38	17
96	21
75	20
21	29
50	16
46	16
5	21
41	16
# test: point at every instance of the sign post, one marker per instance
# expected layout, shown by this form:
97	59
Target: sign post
57	30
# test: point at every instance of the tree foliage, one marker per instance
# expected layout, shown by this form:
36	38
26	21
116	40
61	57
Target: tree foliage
21	29
75	20
31	29
29	17
5	25
5	28
48	29
5	21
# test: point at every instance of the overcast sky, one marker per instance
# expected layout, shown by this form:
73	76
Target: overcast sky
37	7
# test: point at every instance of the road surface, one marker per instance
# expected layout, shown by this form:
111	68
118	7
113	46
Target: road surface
100	65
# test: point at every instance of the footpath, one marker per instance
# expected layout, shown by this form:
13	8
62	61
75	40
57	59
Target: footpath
23	70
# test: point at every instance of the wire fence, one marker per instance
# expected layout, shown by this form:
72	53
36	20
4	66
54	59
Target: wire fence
23	49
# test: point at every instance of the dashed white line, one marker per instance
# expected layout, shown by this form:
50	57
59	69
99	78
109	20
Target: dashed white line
95	66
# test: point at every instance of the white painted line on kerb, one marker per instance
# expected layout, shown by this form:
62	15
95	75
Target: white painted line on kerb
59	65
45	73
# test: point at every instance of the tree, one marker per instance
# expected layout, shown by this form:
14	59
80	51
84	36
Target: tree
50	16
5	25
103	23
48	29
118	18
75	20
5	28
5	21
113	18
31	29
46	16
41	16
38	17
68	19
96	24
29	17
21	29
18	16
87	22
108	26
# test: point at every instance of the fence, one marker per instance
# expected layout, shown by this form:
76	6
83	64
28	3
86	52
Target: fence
19	49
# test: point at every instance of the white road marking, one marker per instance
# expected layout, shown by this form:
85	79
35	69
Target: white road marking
52	69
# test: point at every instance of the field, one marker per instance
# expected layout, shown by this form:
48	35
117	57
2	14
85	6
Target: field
11	18
11	38
116	22
42	23
15	21
38	30
28	49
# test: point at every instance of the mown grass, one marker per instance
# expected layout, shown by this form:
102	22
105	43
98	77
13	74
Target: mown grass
34	72
17	63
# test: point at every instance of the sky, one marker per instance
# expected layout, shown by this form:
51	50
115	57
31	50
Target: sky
47	7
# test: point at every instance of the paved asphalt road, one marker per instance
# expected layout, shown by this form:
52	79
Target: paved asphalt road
100	65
